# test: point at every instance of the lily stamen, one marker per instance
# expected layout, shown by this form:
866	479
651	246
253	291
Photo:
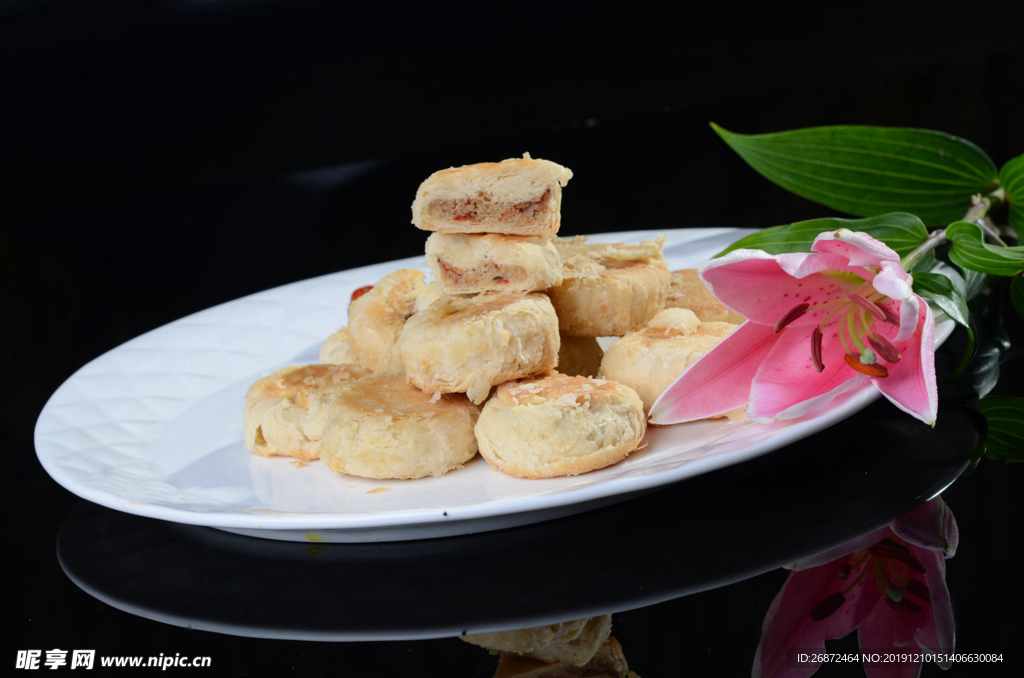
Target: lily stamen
816	349
793	314
889	353
890	316
875	370
827	607
918	589
887	548
866	305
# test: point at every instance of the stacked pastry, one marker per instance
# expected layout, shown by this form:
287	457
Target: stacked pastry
494	229
400	392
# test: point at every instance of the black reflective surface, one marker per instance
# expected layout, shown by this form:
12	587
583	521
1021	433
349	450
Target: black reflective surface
798	501
173	156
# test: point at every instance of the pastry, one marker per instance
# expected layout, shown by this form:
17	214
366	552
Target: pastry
474	263
608	662
573	642
285	412
334	350
556	425
381	427
687	291
608	290
520	196
377	318
467	345
648	361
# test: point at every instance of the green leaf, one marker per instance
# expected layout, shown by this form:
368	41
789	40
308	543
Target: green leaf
868	171
925	263
971	251
1017	295
946	296
900	231
1011	177
1005	417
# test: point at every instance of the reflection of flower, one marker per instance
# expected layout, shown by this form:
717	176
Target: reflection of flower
890	585
820	324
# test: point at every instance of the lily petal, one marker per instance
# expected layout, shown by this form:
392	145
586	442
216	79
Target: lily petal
788	624
911	384
939	634
930	526
909	317
877	634
719	381
755	285
803	264
893	281
859	248
787	385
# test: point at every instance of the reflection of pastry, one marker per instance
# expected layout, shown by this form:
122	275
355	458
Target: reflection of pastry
381	427
376	319
557	425
334	350
608	290
573	642
687	291
649	361
607	662
520	196
470	263
285	413
470	344
579	356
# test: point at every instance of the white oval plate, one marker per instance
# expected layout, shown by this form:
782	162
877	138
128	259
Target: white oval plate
154	428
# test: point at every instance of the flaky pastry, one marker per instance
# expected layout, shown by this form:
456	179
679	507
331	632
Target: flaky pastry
519	196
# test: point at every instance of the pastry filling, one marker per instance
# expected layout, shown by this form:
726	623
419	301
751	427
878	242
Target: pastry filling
482	209
489	275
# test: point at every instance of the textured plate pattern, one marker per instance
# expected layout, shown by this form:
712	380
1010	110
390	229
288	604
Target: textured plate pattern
154	426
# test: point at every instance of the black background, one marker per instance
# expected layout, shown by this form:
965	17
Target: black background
165	157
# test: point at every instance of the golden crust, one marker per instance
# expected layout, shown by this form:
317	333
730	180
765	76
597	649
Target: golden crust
557	425
285	412
474	263
579	356
648	361
609	289
376	319
608	662
335	351
687	291
519	196
467	345
381	427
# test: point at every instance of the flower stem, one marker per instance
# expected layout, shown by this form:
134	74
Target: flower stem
977	213
934	239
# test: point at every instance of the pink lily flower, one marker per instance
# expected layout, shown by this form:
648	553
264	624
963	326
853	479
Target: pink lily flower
889	585
819	324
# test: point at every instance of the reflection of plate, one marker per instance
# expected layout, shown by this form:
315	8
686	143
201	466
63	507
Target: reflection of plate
710	531
154	428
